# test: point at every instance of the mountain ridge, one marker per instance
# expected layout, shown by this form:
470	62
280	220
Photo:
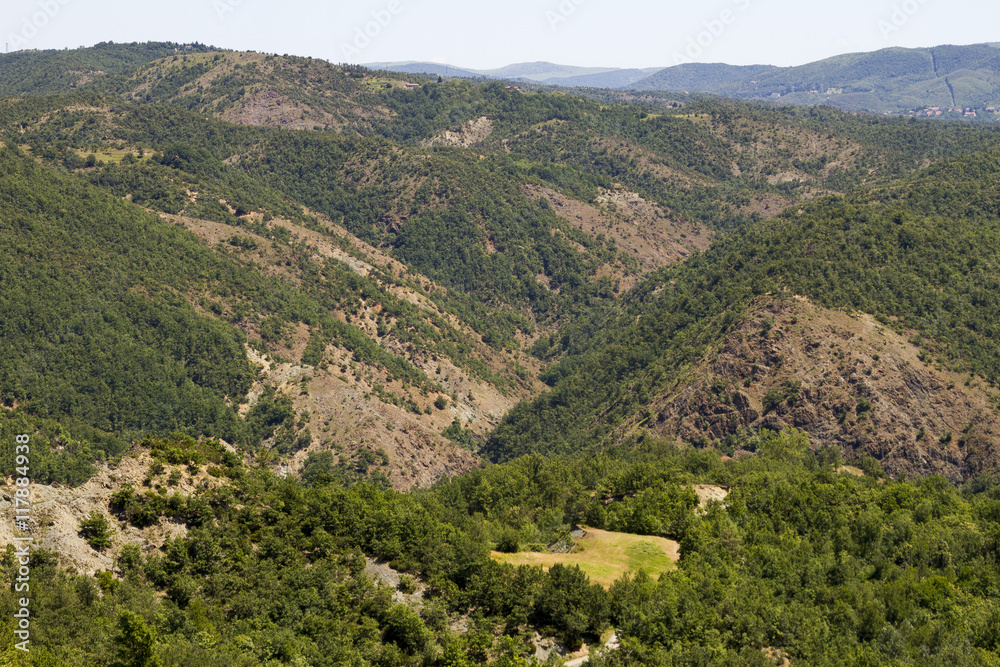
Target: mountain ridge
465	225
310	344
892	80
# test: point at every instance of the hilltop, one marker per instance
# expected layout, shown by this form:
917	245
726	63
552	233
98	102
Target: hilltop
960	82
437	244
297	345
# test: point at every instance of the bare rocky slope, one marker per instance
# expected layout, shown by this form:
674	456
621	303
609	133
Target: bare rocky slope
57	511
343	404
844	379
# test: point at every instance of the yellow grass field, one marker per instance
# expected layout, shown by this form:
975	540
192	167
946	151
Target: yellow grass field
605	556
111	155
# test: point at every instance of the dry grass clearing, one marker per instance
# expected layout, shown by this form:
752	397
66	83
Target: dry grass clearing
709	492
605	556
111	155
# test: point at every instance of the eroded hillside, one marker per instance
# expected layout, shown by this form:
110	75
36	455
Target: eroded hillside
845	380
400	260
351	407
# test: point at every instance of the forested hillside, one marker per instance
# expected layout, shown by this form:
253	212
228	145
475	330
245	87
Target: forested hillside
802	563
927	268
953	82
307	354
50	72
889	80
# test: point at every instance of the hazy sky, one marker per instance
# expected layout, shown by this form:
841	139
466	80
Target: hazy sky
623	33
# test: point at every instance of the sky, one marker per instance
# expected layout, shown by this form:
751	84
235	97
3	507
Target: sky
592	33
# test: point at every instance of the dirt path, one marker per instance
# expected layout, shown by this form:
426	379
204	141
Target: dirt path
611	644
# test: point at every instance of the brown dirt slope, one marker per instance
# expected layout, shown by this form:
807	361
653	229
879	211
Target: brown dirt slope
844	379
57	511
346	405
468	134
641	228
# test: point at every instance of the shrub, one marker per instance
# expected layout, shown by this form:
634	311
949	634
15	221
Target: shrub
407	584
508	542
772	399
96	530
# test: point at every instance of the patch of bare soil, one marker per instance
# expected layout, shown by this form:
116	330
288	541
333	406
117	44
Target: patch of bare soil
844	379
270	108
710	492
470	133
86	76
346	415
381	573
776	656
640	228
786	177
57	511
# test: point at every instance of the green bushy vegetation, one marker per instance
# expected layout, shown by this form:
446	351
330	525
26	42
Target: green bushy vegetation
118	327
95	330
489	240
96	530
909	254
51	71
828	568
61	452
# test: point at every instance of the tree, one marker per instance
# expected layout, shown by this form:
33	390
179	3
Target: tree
136	642
789	445
404	628
570	604
508	542
96	530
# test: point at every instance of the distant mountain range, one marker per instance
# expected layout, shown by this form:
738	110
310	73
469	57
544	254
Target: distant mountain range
954	79
250	301
536	72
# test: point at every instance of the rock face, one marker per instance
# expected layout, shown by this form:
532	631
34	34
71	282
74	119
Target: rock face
846	380
57	511
346	406
468	134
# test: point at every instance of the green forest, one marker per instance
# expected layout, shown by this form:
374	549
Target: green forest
828	568
300	380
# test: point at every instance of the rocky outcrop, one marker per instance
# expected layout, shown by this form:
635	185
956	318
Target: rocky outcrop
847	381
